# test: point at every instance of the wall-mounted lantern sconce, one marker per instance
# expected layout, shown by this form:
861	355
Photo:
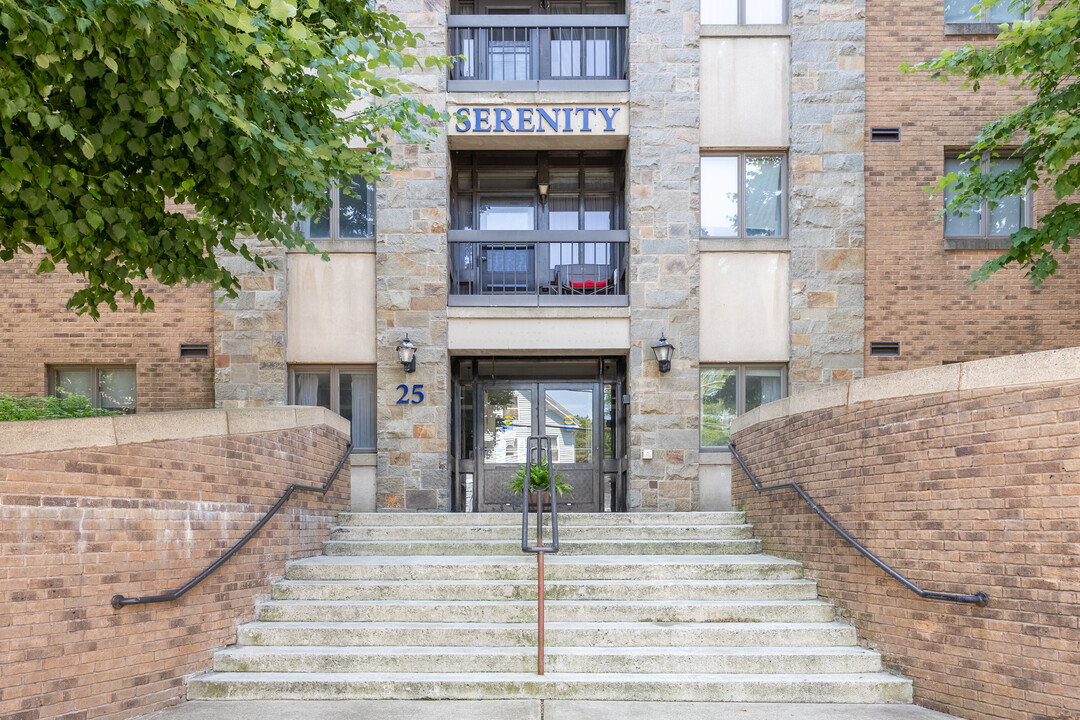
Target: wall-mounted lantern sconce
406	353
663	351
542	188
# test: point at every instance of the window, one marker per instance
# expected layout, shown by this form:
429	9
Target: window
742	196
1007	215
965	11
500	191
729	391
743	12
348	391
109	388
351	215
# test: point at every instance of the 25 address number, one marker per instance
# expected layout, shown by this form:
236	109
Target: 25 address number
413	396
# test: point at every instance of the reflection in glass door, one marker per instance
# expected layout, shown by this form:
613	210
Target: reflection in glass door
512	413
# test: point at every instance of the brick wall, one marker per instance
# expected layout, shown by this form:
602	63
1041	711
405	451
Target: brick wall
78	526
916	290
37	332
961	491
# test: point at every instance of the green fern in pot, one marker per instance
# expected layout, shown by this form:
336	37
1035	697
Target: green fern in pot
539	480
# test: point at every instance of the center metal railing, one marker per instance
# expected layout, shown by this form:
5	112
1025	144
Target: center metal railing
539	447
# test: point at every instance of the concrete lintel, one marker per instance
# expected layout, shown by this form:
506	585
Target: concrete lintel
744	245
718	457
340	247
730	31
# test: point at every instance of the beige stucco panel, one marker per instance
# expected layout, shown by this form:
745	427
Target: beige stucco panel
744	307
539	336
331	309
745	90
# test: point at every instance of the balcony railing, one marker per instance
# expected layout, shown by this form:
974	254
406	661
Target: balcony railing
538	52
538	268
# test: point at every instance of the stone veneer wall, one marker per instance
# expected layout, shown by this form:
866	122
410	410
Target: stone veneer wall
249	334
663	201
139	505
964	478
826	191
410	265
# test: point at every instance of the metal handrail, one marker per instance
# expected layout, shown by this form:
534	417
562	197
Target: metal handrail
539	549
980	598
119	601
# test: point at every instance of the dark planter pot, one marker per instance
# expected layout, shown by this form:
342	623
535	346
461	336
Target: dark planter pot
533	500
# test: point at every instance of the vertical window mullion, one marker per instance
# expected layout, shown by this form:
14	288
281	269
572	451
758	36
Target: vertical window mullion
334	210
741	185
335	393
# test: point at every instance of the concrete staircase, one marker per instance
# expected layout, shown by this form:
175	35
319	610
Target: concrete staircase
642	606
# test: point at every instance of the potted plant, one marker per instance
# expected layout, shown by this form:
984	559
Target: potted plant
539	481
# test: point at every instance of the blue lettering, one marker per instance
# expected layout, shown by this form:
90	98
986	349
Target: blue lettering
552	120
525	120
502	120
609	120
463	123
568	125
481	124
585	113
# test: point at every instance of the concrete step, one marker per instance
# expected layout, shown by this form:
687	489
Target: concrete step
557	567
567	533
459	590
485	611
836	688
513	547
565	519
827	660
557	634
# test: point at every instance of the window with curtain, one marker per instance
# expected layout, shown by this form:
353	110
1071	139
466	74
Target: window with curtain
729	391
109	388
348	391
991	218
743	12
742	196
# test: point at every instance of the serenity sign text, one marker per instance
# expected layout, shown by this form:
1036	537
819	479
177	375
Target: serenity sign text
535	119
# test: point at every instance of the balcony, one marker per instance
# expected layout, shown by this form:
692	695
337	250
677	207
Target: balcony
538	53
538	268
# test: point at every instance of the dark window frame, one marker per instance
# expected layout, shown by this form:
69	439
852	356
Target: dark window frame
740	233
335	371
543	161
95	392
984	239
335	215
785	10
740	393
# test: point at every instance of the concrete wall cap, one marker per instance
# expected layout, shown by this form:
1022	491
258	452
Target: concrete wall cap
34	436
1042	367
153	427
909	383
246	421
29	436
306	415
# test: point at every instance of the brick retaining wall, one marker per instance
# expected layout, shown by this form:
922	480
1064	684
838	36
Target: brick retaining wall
80	525
966	489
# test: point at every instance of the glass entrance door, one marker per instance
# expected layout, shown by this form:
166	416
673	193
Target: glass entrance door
567	414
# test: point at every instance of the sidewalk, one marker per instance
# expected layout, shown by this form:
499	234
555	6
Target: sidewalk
530	710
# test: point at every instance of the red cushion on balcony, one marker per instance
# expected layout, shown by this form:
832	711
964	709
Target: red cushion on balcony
588	284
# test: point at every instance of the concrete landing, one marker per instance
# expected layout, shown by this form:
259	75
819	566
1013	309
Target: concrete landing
531	710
